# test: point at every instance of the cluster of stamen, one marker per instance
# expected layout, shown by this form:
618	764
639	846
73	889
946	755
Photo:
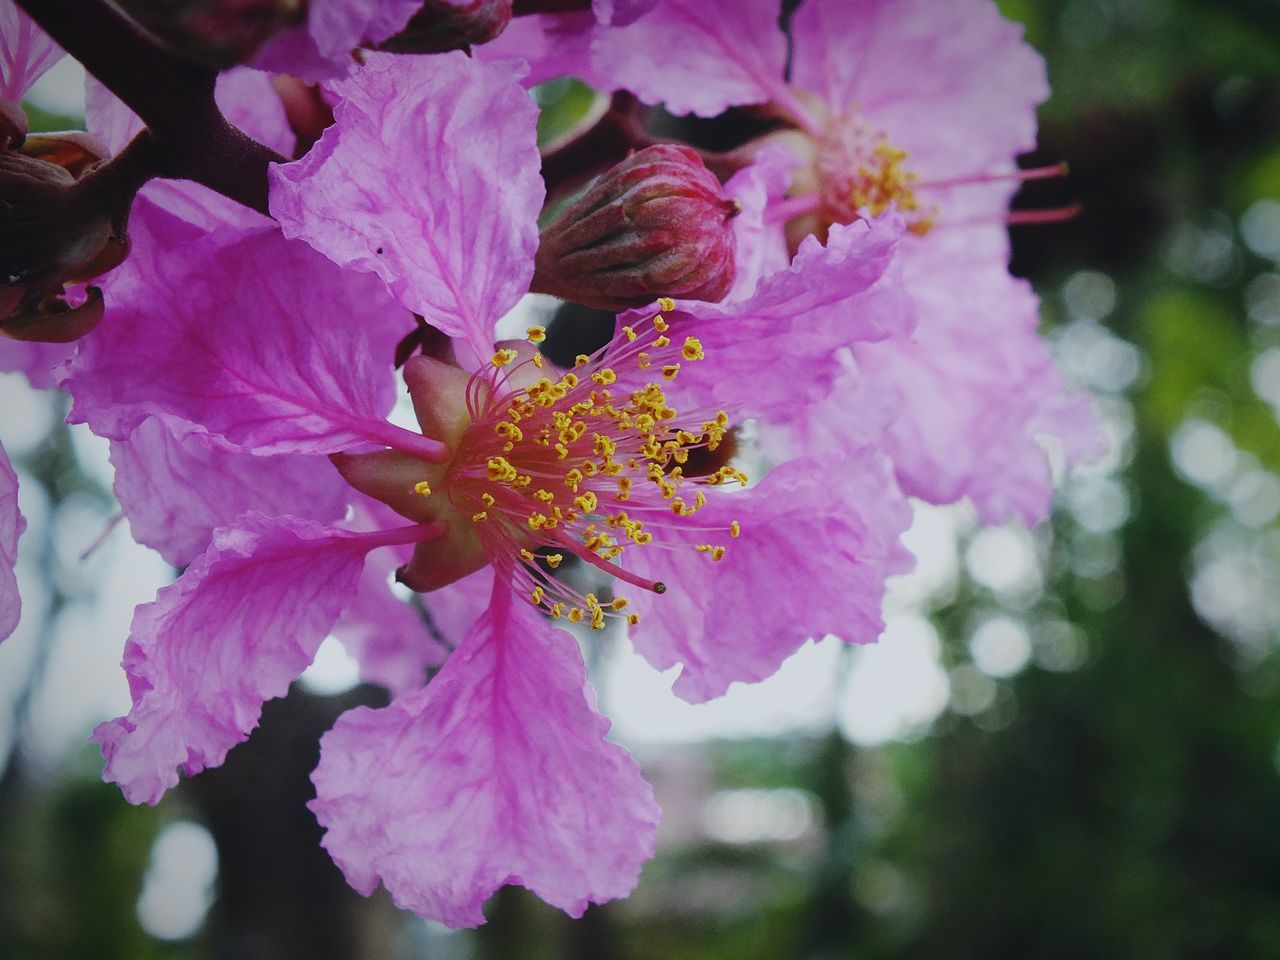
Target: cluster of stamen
589	464
861	171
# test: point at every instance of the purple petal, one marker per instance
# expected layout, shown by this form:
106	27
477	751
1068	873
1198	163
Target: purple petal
429	178
759	247
971	108
239	626
776	352
247	336
818	540
553	44
694	57
975	388
26	52
38	362
177	492
388	637
322	48
12	524
497	772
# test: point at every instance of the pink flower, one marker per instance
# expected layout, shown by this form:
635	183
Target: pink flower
918	106
12	525
26	52
253	345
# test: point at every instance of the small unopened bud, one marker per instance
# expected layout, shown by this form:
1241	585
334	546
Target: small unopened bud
657	224
216	33
440	26
55	229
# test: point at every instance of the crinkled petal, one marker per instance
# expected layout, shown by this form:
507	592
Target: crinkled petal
975	388
497	772
239	626
818	540
12	524
429	179
776	352
26	52
759	247
176	492
950	83
322	48
696	57
392	642
246	336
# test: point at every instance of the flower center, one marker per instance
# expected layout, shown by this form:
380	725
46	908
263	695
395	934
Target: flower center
858	169
589	464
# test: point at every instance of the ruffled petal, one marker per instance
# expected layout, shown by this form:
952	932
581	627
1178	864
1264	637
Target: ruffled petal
12	524
497	772
177	492
26	52
246	336
818	540
759	247
950	83
694	57
777	352
322	48
429	179
233	632
976	389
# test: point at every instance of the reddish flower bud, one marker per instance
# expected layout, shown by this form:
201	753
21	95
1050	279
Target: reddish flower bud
655	225
216	33
441	25
55	229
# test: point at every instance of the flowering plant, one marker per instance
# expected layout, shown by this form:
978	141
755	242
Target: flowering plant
819	323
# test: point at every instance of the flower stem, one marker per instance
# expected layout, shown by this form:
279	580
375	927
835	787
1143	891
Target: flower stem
174	98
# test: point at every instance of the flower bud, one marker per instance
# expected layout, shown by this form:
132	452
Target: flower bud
216	33
655	225
55	229
441	25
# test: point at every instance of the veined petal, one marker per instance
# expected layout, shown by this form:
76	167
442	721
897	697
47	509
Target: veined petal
759	248
497	772
251	338
323	47
695	57
777	351
818	539
176	492
12	524
26	52
429	179
233	632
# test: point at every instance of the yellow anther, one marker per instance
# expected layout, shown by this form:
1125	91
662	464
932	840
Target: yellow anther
572	479
527	555
660	324
537	334
643	361
546	496
670	370
562	451
487	498
589	468
477	517
597	619
538	361
662	341
557	611
630	334
604	446
536	596
604	376
619	603
692	349
575	615
503	357
554	559
500	470
581	360
422	488
666	304
569	381
633	618
735	529
587	503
